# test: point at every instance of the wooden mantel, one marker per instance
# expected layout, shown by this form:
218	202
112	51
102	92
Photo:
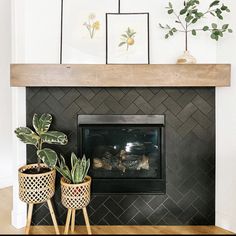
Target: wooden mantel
154	75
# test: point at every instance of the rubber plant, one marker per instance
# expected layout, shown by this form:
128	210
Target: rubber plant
78	171
190	14
42	136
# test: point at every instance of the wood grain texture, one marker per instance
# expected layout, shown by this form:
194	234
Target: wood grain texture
6	228
155	75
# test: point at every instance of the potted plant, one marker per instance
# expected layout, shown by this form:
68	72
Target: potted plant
37	181
188	16
75	188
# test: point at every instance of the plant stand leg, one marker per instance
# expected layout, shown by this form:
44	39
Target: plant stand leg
29	217
87	220
53	216
73	220
68	221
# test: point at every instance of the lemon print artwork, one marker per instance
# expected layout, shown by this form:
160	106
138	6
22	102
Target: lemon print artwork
127	38
92	25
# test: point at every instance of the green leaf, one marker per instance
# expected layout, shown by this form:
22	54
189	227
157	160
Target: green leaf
214	26
132	34
36	123
225	26
199	14
27	136
62	162
166	36
170	11
170	5
124	35
78	174
43	123
122	43
74	159
188	18
73	178
214	36
220	17
214	3
183	11
194	20
223	8
174	30
54	137
64	173
194	32
205	28
88	166
48	156
161	26
230	30
83	163
128	31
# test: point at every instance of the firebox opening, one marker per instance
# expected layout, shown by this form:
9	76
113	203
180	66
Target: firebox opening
124	150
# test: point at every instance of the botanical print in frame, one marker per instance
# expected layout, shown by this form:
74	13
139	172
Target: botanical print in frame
127	38
84	30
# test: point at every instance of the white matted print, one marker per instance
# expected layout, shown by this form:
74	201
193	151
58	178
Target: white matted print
84	30
127	38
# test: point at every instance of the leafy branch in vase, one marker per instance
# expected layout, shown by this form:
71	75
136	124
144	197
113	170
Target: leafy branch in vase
189	15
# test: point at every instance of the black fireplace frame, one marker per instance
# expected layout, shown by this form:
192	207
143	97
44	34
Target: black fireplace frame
126	186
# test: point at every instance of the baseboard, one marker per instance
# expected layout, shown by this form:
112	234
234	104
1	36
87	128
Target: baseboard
5	181
18	219
226	222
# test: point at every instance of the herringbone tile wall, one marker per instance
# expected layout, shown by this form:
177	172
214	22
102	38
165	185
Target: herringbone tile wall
190	151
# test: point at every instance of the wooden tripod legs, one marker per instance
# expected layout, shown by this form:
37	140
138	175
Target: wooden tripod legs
71	218
29	217
54	220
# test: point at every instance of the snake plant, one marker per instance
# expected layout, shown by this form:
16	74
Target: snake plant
78	171
40	136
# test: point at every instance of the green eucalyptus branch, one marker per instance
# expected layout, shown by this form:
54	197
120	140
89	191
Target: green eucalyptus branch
190	15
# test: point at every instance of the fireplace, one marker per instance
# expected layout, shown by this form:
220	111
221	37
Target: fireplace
126	152
188	152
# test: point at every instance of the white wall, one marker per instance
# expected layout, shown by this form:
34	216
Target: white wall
36	37
226	133
36	34
5	95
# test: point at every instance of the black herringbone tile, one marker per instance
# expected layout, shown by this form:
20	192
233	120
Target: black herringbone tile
158	214
170	219
128	214
190	154
143	207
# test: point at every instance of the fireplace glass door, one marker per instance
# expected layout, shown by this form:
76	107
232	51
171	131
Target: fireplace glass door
123	151
126	152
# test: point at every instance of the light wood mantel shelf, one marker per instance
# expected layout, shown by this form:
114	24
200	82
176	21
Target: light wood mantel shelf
154	75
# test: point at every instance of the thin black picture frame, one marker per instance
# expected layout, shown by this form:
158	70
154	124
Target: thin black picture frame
61	27
148	32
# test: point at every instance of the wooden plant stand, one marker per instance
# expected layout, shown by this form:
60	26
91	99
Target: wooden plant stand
35	189
71	219
29	217
75	197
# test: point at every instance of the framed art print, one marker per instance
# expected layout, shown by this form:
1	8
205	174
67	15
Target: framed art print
83	33
127	38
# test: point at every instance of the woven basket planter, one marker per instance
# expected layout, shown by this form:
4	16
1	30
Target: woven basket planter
36	188
75	196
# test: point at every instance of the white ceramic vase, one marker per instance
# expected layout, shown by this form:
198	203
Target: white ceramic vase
186	58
